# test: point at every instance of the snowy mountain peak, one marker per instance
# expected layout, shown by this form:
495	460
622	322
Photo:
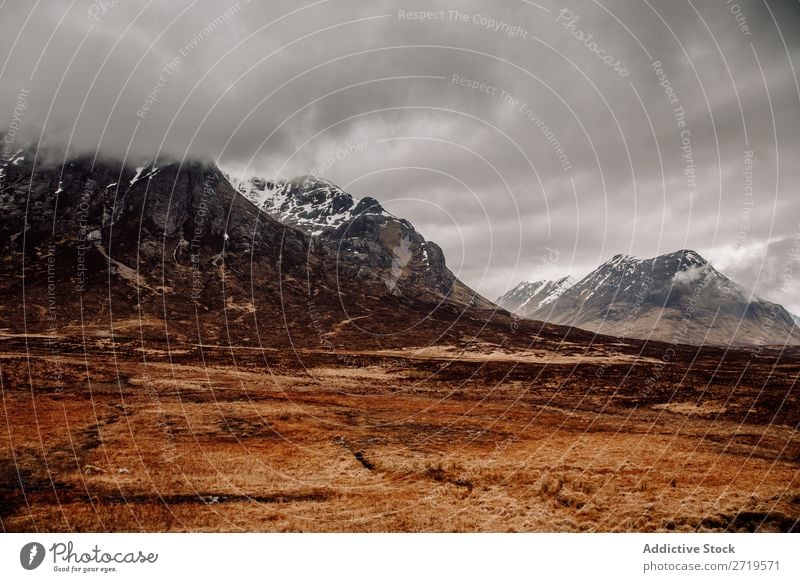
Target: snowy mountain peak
528	297
678	296
680	260
312	204
691	257
620	259
378	245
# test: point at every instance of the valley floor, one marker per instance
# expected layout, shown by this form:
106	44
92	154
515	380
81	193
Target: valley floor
114	437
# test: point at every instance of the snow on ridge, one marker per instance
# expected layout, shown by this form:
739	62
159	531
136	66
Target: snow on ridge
148	171
533	295
559	288
138	174
313	204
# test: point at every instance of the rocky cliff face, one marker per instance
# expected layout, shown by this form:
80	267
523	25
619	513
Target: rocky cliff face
96	238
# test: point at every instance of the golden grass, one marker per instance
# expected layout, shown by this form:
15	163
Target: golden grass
191	447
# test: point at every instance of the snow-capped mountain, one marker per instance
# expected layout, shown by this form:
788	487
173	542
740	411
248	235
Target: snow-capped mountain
677	297
370	242
312	204
527	298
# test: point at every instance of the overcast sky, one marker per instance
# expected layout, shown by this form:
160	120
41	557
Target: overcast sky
529	139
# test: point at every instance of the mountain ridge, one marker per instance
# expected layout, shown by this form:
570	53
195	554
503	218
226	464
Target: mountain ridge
315	205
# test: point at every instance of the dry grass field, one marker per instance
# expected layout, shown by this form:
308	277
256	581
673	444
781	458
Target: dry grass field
101	435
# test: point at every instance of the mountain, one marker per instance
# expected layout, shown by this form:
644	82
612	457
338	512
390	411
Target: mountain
527	298
677	297
370	239
174	250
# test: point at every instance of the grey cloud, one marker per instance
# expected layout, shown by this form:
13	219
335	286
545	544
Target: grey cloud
280	88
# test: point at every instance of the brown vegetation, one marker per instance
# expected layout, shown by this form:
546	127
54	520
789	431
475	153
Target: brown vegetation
115	436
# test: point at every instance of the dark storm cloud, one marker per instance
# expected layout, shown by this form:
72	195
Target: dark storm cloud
521	147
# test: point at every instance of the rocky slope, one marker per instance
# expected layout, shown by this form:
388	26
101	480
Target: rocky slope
677	297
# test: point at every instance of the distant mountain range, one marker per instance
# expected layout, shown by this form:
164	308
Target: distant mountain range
677	297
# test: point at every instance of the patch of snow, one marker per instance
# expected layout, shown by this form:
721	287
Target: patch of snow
313	204
136	177
560	287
